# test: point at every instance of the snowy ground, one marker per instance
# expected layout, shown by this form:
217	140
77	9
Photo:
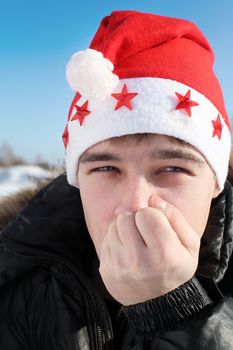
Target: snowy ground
17	177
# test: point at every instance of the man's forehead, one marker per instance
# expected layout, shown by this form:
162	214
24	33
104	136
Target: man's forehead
141	139
152	146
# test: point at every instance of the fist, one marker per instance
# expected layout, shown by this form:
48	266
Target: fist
148	253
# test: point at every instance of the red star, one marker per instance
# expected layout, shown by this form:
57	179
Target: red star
81	112
75	100
217	127
65	136
185	102
124	97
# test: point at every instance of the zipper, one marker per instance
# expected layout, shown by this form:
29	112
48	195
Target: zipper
91	297
121	323
101	340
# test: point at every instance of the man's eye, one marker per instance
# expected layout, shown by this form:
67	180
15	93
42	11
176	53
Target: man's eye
174	169
106	168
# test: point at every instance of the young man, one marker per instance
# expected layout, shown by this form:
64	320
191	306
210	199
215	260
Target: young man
135	252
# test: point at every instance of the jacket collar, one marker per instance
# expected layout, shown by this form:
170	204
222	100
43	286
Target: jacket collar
52	224
217	240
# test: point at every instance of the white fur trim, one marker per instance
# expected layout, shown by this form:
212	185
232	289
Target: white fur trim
89	73
153	112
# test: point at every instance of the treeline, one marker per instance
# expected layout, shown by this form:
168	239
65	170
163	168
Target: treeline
9	158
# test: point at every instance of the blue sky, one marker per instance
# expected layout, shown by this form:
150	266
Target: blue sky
37	39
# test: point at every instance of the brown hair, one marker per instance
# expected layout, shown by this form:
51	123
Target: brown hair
140	138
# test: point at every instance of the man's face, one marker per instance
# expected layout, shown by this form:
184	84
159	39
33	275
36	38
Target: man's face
116	177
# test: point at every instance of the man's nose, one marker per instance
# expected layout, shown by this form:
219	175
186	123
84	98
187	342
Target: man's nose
134	195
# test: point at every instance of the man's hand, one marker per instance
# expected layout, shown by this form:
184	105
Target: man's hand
148	253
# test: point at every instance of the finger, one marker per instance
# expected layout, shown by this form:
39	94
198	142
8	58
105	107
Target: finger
154	227
114	253
111	241
104	250
187	236
112	235
128	232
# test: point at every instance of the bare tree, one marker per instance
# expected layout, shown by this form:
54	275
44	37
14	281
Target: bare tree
7	156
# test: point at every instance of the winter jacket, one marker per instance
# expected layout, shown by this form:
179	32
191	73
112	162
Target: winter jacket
48	301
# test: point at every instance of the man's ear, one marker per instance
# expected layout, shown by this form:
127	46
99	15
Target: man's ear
77	177
216	190
77	182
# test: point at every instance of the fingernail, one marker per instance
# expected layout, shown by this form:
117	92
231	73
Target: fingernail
160	203
128	212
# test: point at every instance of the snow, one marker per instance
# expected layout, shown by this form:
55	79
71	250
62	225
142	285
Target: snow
18	177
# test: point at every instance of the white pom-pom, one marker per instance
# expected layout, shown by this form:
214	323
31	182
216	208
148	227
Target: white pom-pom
89	73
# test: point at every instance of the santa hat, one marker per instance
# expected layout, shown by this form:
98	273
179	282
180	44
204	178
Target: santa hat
145	73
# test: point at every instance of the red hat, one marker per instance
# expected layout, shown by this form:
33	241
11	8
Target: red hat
146	73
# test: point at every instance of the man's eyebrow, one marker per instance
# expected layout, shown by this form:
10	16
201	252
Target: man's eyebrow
90	157
177	154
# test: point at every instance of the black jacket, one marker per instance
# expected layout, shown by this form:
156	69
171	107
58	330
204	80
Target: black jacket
48	302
